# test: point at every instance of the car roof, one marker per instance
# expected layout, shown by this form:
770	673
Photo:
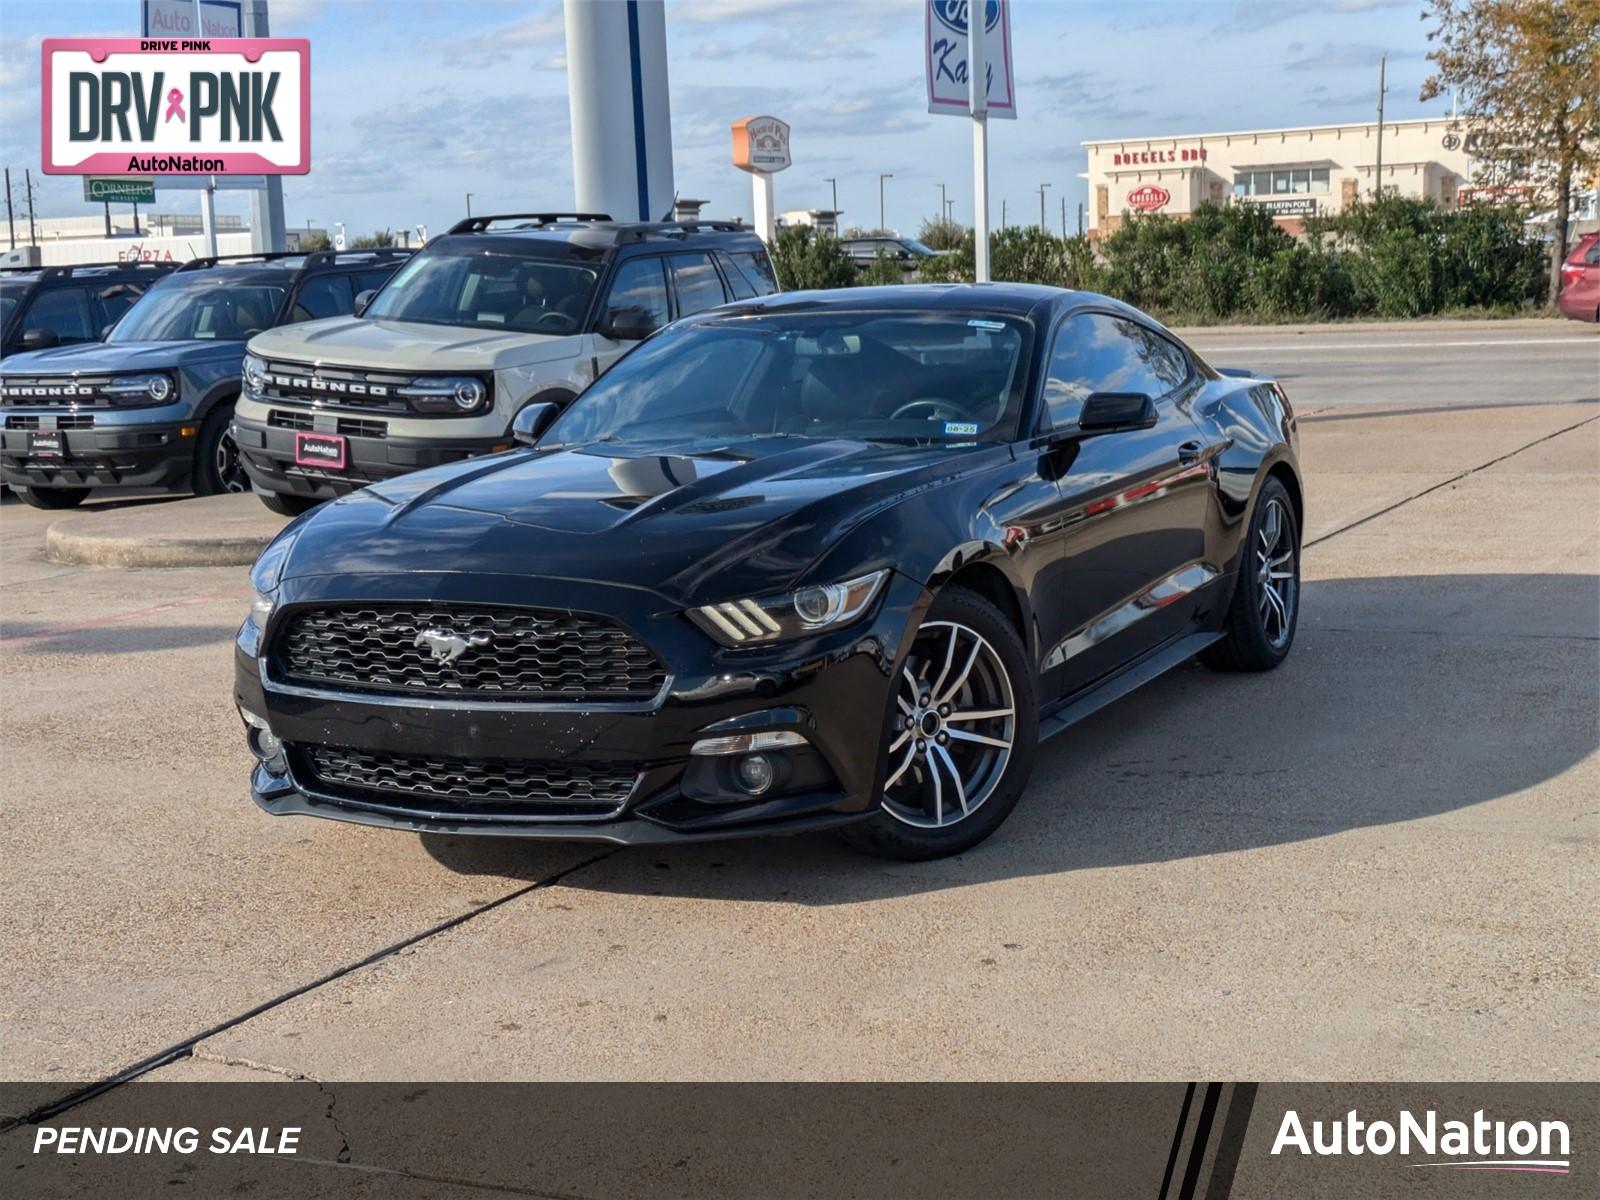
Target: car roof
85	271
1018	299
290	262
581	235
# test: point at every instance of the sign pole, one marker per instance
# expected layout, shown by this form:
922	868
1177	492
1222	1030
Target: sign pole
208	217
761	199
978	78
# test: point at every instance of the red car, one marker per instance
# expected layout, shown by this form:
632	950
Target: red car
1580	281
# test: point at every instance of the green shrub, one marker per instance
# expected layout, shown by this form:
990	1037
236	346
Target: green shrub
941	235
804	259
880	271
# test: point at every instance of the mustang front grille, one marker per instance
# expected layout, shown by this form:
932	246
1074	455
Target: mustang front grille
488	787
527	655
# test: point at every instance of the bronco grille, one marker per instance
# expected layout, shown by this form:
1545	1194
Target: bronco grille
484	653
487	787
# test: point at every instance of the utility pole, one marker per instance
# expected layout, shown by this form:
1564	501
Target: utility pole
943	204
11	220
469	204
950	212
882	223
1383	61
835	185
1043	228
1063	218
33	230
1080	218
1003	214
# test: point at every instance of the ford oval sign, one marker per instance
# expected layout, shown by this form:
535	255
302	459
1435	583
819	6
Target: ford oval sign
1149	198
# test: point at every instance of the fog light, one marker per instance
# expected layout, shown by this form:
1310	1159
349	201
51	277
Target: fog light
754	773
264	744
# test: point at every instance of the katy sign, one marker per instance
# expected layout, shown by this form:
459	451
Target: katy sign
160	106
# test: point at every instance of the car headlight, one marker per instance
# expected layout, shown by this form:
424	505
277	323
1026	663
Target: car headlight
149	388
809	610
458	394
264	579
255	374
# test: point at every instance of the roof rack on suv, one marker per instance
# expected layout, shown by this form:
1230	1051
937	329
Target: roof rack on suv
211	260
67	272
481	224
669	229
324	258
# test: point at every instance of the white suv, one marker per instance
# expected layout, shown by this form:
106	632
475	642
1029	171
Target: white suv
498	314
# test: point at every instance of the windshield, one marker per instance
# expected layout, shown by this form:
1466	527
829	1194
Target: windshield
489	290
202	305
878	376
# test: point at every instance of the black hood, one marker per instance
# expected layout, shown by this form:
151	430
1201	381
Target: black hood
744	519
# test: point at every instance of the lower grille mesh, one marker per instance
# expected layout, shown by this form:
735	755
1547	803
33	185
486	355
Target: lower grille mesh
489	787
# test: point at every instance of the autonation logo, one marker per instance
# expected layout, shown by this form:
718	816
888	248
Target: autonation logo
1476	1145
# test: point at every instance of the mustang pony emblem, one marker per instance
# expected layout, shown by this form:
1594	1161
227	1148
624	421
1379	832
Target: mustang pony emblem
446	647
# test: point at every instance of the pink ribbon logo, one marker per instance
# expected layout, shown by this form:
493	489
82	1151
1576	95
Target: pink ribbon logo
175	105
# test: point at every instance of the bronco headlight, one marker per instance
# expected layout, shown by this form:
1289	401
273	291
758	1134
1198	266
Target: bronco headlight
456	394
149	388
255	374
809	610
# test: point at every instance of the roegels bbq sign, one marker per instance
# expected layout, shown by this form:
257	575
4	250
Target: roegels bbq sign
153	106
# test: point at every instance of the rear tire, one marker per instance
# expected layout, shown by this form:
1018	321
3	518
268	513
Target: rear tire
948	787
1258	632
52	497
218	468
286	505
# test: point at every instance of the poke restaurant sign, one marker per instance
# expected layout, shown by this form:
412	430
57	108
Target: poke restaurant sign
169	106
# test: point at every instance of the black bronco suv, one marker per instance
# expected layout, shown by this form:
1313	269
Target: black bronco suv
42	307
152	405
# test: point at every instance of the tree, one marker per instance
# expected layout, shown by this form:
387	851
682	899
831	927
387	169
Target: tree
315	241
805	258
1527	74
373	241
941	235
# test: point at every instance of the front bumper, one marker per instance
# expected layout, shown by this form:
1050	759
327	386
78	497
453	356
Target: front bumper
833	690
268	454
120	450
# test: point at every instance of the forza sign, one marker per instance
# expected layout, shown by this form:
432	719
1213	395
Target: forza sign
158	106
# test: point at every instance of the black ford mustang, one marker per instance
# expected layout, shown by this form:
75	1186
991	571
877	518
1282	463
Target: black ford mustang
814	560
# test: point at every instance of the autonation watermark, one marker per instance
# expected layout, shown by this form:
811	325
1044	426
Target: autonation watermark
1480	1144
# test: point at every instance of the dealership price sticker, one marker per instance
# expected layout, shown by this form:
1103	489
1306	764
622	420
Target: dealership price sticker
159	106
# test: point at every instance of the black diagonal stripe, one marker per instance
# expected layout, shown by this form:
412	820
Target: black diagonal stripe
1202	1135
1231	1143
1177	1140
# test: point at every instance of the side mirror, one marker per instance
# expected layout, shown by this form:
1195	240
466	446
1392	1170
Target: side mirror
40	339
1107	411
531	422
364	299
629	325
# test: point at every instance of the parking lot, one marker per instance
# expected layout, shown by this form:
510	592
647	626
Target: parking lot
1378	862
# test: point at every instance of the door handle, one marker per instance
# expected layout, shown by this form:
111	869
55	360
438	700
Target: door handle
1190	453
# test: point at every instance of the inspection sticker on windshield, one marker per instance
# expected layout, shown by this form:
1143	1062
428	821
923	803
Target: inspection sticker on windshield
960	428
977	324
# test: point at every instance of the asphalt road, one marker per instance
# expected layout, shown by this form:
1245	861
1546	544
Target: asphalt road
1379	862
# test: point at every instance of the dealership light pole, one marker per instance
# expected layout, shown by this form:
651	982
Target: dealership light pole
943	203
978	81
1042	227
835	184
469	204
882	224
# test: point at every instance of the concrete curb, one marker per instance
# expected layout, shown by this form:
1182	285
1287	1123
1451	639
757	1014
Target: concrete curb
210	531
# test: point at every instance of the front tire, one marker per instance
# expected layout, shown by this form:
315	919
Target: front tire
286	505
962	734
52	498
218	469
1265	611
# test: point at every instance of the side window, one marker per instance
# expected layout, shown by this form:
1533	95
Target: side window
697	283
639	287
741	287
323	296
64	312
1097	352
116	300
756	267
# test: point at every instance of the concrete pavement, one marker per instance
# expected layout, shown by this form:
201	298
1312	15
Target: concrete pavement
1377	862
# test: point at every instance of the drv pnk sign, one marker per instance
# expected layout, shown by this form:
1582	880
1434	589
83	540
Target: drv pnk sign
159	106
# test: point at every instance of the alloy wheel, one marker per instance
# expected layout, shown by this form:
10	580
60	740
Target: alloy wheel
230	470
1276	575
952	729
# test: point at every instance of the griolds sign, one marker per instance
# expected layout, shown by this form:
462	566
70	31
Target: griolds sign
207	106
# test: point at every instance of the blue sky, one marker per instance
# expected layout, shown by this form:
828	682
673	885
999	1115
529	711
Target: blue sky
416	102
